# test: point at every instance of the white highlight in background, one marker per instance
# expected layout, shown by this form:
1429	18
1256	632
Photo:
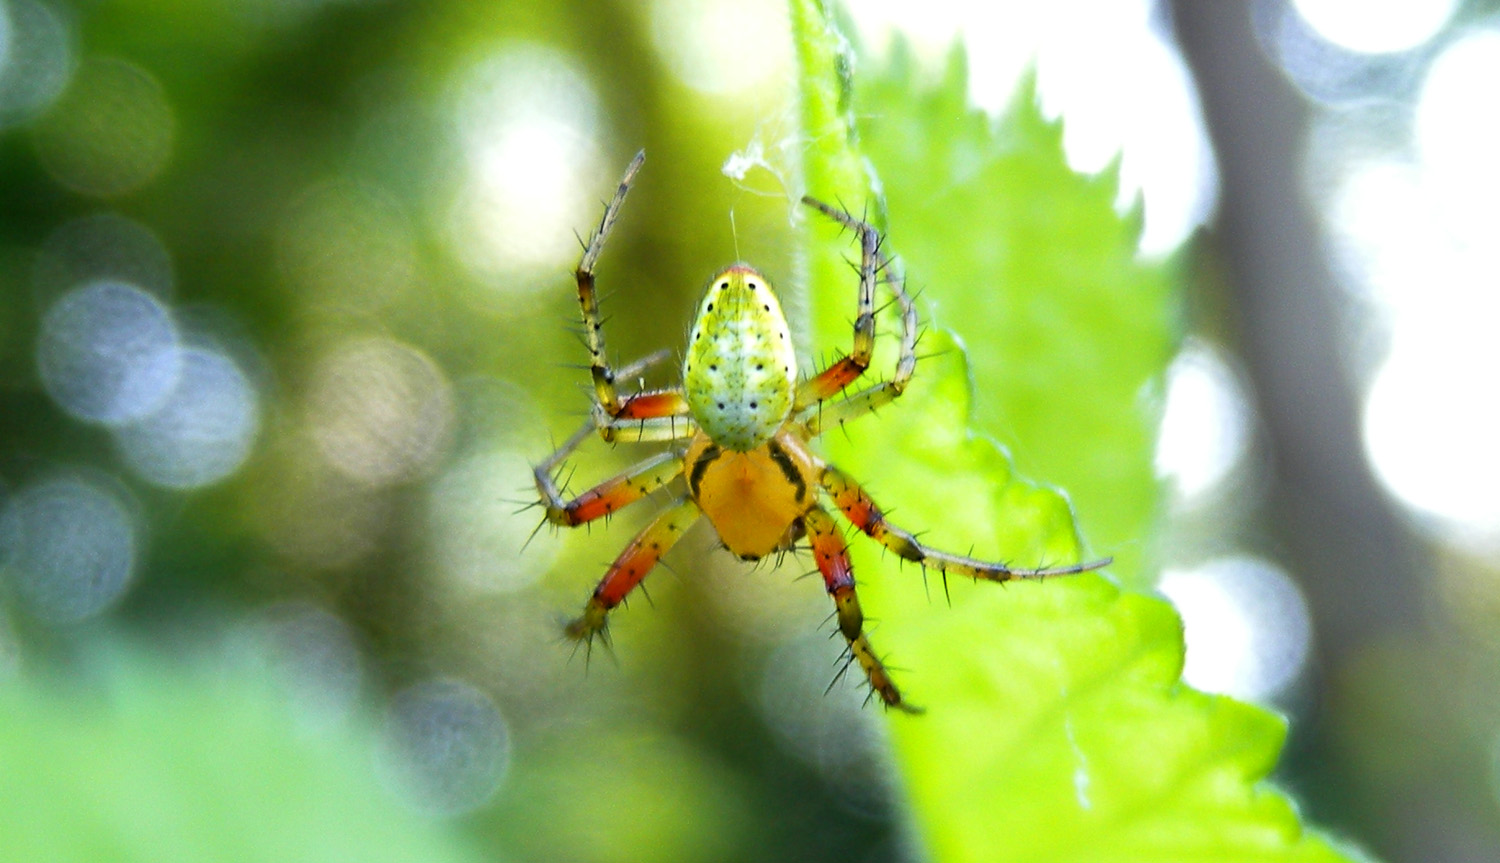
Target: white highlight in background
1205	428
108	352
480	538
1376	26
1416	239
1120	87
37	62
527	120
202	433
1246	624
697	41
445	747
1458	136
381	411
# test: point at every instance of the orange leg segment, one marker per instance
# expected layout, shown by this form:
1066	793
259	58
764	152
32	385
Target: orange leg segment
832	557
612	494
651	405
631	567
860	509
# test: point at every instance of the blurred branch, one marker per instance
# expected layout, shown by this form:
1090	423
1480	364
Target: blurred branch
1354	556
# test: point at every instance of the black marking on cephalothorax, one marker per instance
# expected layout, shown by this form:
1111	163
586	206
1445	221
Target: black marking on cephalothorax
788	468
708	456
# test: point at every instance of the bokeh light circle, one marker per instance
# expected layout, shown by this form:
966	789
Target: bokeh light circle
1458	135
4	38
110	132
1377	26
1429	442
312	654
691	35
100	247
1205	427
528	124
68	547
108	352
1142	116
445	747
37	62
1246	623
381	411
480	538
202	432
346	249
835	733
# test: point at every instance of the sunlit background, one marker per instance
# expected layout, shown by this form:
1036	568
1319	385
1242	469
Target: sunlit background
283	307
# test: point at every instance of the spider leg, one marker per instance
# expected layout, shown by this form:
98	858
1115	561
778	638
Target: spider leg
658	415
866	515
609	496
874	262
638	559
848	368
588	298
832	555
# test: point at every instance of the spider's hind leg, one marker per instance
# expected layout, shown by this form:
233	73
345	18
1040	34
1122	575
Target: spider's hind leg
832	557
860	509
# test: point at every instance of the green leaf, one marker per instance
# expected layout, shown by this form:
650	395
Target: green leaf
1058	727
1068	332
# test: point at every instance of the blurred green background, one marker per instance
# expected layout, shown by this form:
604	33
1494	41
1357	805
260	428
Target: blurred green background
284	321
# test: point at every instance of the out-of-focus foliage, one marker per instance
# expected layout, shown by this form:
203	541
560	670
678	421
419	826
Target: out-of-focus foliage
145	760
1058	725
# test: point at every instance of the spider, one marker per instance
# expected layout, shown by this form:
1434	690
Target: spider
740	427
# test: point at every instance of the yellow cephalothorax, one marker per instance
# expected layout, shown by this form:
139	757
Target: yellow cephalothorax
739	432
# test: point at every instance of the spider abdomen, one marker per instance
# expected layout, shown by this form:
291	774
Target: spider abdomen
740	371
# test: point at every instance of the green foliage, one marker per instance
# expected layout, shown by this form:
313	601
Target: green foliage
1058	728
161	763
1067	331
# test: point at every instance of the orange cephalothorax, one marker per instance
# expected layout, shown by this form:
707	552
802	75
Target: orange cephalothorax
753	499
746	423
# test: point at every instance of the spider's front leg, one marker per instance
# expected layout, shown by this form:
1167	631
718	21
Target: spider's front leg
638	559
832	557
588	298
650	416
812	393
848	368
644	416
860	509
